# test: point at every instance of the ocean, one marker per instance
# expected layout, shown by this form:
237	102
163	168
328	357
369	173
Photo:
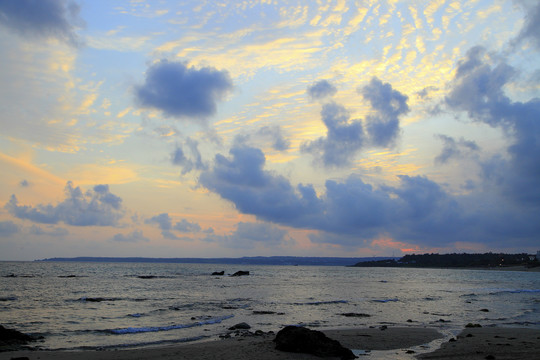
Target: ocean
78	305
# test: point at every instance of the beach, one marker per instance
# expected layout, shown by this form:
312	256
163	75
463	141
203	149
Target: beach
397	342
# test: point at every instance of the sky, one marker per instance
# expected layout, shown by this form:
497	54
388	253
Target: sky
243	128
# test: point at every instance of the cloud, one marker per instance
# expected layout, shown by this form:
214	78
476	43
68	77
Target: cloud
96	207
183	92
134	236
344	137
531	27
415	211
453	149
24	183
275	135
389	105
478	89
193	162
321	89
248	235
41	19
50	231
164	222
8	228
187	226
243	181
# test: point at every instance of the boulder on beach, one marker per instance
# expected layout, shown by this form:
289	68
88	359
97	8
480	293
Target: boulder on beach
240	326
10	337
299	339
240	273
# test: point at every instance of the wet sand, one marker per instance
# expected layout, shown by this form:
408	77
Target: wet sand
501	343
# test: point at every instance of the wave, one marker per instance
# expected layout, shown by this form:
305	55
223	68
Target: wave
108	299
322	302
384	300
133	330
514	291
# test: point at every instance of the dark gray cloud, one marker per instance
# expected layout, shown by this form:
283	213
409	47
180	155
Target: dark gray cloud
192	161
248	235
478	90
134	236
417	210
454	149
183	92
344	137
349	207
8	228
164	222
389	105
42	18
98	207
187	226
531	27
243	181
321	89
24	183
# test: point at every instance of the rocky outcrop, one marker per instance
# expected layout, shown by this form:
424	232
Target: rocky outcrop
303	340
240	273
10	338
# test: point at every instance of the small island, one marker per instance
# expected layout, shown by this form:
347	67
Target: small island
462	261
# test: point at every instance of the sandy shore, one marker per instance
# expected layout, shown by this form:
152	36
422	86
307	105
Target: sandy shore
502	343
490	343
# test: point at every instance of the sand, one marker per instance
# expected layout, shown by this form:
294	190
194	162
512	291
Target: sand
502	343
490	343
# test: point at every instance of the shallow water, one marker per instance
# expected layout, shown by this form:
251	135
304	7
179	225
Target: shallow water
115	305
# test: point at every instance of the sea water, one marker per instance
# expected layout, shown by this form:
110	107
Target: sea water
125	305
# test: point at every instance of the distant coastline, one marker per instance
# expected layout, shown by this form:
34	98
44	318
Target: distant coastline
255	260
484	261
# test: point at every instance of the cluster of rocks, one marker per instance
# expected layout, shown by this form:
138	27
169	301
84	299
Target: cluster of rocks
243	329
238	273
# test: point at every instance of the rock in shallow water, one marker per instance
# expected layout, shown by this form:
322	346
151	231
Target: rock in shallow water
303	340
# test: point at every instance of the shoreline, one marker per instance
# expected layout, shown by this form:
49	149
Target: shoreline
403	342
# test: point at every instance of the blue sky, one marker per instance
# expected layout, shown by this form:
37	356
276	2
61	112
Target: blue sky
339	128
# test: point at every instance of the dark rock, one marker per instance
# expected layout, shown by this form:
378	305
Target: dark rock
13	337
218	273
355	315
410	352
240	273
471	325
240	326
384	327
490	357
303	340
263	312
484	310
